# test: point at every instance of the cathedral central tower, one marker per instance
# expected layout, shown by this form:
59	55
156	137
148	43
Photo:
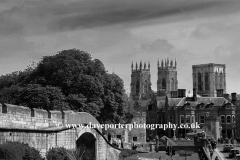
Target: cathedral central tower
167	76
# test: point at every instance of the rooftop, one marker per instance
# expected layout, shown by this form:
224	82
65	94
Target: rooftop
217	101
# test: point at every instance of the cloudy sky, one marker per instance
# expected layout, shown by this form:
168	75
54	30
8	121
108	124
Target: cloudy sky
121	31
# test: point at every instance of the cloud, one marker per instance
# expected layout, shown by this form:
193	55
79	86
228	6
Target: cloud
118	12
159	45
222	52
15	46
38	17
218	28
119	58
201	32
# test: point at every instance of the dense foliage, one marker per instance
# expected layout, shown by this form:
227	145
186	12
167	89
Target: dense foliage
18	151
58	153
72	80
126	152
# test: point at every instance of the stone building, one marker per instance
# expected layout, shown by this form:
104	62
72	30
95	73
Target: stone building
209	105
140	82
142	93
187	110
131	135
236	101
207	78
167	76
141	79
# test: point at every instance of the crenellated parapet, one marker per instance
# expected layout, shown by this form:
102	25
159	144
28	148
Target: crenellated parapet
208	65
44	130
13	116
167	64
140	67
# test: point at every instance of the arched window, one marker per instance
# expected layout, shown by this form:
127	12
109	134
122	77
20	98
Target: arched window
145	86
216	80
163	83
220	80
137	87
199	82
206	81
172	84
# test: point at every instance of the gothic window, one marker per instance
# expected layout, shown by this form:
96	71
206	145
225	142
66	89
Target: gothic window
216	80
220	81
199	82
145	87
172	84
206	81
163	83
137	87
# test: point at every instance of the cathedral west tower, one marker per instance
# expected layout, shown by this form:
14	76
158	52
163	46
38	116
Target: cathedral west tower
167	76
140	81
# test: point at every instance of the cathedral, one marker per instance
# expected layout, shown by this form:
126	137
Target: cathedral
209	102
207	78
141	79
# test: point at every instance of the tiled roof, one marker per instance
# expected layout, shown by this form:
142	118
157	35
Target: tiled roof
217	101
174	101
143	105
171	102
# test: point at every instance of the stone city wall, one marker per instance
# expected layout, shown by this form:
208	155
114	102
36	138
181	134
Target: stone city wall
39	129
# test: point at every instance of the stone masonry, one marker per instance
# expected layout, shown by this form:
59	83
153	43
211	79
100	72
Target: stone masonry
43	129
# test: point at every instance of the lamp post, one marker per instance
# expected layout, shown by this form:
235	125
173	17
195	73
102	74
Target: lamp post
220	130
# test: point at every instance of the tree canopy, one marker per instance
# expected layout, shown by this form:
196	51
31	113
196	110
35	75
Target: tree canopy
71	79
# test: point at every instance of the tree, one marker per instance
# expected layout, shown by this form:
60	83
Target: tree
70	79
36	96
10	94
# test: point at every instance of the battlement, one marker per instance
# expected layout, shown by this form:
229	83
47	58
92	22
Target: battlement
208	65
140	68
166	64
13	116
167	68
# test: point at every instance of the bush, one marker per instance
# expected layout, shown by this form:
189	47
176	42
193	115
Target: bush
58	153
18	151
127	152
32	154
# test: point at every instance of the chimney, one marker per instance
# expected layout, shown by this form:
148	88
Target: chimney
226	96
194	94
183	92
179	93
234	97
219	92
